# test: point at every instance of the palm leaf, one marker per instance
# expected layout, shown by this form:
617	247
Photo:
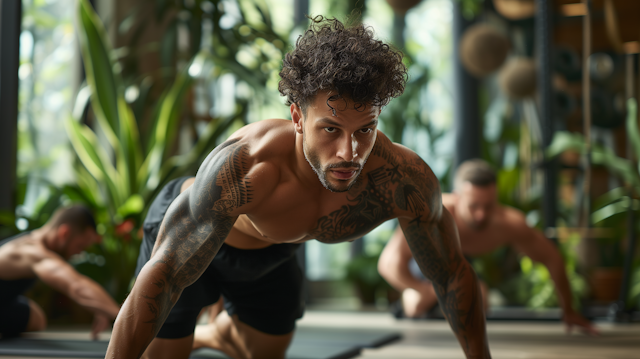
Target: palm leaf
92	155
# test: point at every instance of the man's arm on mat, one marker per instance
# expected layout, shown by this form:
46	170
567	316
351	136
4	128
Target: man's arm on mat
536	246
432	236
61	276
195	226
393	264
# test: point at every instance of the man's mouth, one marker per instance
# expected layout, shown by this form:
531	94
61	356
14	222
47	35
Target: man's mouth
343	174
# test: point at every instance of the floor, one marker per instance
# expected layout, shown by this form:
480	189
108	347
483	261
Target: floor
507	340
434	339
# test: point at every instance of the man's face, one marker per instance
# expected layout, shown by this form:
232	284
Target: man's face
77	241
476	204
337	147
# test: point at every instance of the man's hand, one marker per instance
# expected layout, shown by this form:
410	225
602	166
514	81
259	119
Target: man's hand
572	318
100	322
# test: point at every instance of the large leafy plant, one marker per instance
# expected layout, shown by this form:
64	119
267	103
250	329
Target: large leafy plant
116	174
610	209
239	36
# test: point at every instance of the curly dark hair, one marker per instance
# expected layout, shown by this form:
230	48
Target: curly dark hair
344	59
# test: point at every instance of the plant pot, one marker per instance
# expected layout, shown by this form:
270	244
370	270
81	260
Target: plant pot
605	283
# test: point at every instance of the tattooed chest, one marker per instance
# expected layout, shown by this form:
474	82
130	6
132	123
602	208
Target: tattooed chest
383	194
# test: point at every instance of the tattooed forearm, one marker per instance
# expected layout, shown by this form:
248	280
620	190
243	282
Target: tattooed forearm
194	227
434	247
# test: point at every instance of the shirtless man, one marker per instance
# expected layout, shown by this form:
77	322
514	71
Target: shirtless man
483	225
328	175
42	254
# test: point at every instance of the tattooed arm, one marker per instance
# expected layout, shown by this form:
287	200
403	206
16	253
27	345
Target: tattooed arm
433	239
194	227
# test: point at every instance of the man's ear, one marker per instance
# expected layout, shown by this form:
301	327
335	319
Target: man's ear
296	117
63	231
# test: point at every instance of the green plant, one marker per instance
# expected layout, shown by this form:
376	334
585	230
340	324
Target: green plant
633	300
240	38
362	271
610	209
116	175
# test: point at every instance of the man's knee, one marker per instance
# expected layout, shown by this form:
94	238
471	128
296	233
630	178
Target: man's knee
37	318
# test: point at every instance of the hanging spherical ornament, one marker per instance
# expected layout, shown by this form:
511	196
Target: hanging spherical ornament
518	78
483	49
515	9
402	6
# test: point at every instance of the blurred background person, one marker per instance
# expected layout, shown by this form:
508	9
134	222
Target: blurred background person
43	254
483	225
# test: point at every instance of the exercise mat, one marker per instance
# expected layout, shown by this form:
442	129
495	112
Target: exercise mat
308	343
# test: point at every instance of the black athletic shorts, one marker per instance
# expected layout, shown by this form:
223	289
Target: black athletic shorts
14	316
14	307
262	286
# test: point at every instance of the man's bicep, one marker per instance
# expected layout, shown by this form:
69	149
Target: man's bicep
199	220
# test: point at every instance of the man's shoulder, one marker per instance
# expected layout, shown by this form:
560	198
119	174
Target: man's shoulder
514	219
391	152
266	139
255	154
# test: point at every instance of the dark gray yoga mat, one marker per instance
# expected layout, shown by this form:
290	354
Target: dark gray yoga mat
308	343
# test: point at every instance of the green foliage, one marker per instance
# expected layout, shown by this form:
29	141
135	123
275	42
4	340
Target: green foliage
610	210
625	169
633	300
471	8
239	37
406	109
116	175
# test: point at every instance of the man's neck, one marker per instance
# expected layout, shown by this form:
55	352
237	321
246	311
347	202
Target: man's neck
47	237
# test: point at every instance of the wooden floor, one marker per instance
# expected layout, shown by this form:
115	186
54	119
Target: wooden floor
434	339
507	340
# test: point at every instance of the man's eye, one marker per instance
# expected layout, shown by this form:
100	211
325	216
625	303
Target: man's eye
365	130
330	129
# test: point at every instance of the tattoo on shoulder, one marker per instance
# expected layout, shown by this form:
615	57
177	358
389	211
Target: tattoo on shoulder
235	190
197	228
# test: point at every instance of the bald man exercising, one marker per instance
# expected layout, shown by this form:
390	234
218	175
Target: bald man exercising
329	175
483	225
42	254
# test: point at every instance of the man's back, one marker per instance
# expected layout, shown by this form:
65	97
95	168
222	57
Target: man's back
18	256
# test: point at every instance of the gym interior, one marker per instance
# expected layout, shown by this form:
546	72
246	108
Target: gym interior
545	92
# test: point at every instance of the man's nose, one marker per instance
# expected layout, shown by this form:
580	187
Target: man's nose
347	148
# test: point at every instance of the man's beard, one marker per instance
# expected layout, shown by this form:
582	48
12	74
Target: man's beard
314	161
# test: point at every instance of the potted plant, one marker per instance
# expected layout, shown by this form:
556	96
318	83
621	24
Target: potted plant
609	211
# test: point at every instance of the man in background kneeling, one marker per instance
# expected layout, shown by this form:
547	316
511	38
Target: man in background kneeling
43	254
